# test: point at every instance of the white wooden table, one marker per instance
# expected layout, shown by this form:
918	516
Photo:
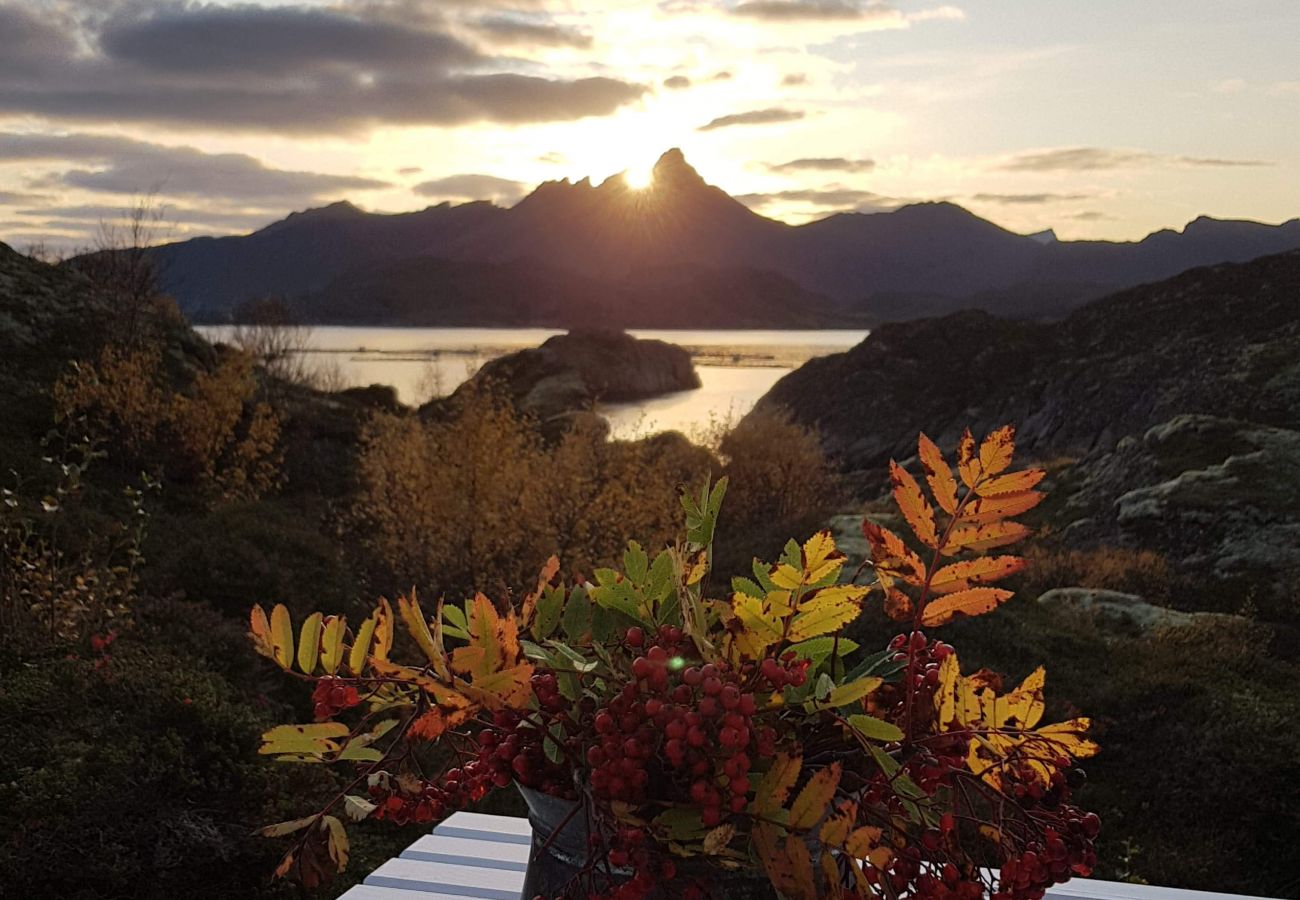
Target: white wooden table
471	855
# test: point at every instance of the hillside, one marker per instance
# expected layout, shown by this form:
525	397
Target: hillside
652	257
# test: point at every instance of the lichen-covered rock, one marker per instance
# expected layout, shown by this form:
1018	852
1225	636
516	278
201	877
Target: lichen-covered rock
1126	612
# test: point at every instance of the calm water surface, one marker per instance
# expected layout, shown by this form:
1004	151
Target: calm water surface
736	367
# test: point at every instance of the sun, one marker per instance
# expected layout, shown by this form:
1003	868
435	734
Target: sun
638	178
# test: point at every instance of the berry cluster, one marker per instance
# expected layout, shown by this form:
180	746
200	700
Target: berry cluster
332	696
429	801
513	749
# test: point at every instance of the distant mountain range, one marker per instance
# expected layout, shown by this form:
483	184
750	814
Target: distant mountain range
681	253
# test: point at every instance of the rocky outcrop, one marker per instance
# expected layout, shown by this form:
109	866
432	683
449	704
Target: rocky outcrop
572	372
1113	610
1218	339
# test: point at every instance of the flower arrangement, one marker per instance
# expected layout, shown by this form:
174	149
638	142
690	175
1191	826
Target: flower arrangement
695	732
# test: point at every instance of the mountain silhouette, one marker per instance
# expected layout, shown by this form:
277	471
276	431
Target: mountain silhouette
679	253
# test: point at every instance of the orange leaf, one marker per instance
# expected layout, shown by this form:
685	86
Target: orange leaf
990	508
972	602
968	464
776	783
913	505
996	451
898	606
970	573
789	871
889	553
984	537
938	474
431	725
498	678
548	572
1014	483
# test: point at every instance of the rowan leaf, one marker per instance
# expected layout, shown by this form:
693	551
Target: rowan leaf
315	739
417	624
777	863
360	650
875	729
309	643
259	631
281	636
938	474
821	559
969	573
1069	737
811	802
852	692
548	573
970	602
968	463
717	840
331	647
1023	707
996	451
990	509
835	830
761	628
913	505
338	841
1014	483
825	611
898	606
862	841
801	867
499	677
384	623
979	538
776	783
891	556
280	829
357	808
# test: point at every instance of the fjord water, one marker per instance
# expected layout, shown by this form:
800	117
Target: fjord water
736	367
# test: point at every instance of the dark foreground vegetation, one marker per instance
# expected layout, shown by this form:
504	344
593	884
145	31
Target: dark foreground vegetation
156	486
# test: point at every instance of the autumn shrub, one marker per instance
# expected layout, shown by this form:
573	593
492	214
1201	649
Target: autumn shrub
1142	572
783	483
213	432
462	503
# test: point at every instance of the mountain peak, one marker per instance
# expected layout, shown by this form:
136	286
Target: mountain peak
672	169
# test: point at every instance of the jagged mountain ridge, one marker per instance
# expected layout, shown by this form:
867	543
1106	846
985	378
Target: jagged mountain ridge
922	259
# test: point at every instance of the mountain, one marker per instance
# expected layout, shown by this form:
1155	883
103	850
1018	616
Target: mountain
679	253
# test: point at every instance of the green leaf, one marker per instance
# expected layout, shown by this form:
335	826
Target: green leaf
853	691
314	738
875	729
818	648
887	763
455	617
680	823
309	643
574	659
636	565
360	753
602	624
659	583
549	608
576	620
825	686
741	585
881	663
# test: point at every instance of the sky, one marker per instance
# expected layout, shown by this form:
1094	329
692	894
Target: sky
1100	119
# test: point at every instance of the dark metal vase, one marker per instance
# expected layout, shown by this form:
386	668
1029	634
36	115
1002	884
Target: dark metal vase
560	855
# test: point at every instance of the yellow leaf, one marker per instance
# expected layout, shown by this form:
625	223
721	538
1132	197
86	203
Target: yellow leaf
913	505
317	738
1023	707
281	636
1069	738
1015	483
280	829
309	643
259	631
338	841
361	644
996	451
970	573
811	802
529	606
804	888
938	474
827	610
761	628
439	648
853	691
831	872
898	606
417	624
968	463
945	692
1000	506
782	868
776	783
331	650
498	676
979	538
506	689
445	695
862	841
696	568
971	602
835	830
383	629
820	558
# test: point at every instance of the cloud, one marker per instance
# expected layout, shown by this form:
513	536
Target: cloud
1027	198
500	30
169	214
768	116
14	198
1088	159
835	198
824	164
123	165
724	75
1090	215
287	69
818	11
469	186
938	14
677	82
794	79
410	170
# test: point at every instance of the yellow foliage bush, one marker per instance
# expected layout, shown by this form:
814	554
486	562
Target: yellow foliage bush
215	433
1142	572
